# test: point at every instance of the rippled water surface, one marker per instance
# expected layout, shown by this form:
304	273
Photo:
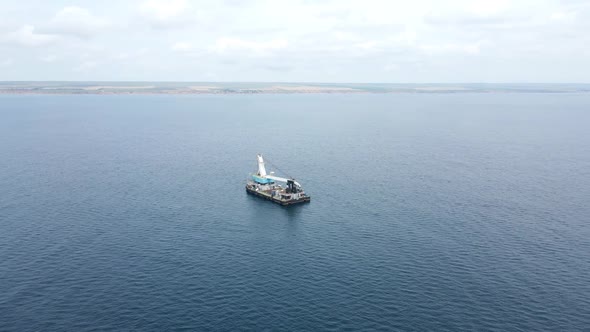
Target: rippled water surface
466	212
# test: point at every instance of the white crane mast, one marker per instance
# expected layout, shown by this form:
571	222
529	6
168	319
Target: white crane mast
262	172
261	169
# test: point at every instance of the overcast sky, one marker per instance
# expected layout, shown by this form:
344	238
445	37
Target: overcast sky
303	41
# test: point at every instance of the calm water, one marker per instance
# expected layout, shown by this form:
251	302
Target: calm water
429	212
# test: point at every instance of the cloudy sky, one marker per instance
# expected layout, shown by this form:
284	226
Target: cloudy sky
300	40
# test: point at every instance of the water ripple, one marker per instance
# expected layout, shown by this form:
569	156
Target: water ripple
131	215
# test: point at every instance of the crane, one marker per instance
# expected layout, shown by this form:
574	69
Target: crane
262	177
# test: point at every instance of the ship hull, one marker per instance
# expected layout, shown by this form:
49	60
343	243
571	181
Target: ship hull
283	202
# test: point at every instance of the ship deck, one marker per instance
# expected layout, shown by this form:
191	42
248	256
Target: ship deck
266	194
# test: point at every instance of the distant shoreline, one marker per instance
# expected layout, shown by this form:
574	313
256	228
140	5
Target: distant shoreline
4	93
201	88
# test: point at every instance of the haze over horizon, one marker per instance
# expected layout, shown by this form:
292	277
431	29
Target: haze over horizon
297	41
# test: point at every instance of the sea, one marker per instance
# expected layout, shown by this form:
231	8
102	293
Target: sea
428	212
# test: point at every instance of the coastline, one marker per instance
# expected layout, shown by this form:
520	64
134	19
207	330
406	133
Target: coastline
178	88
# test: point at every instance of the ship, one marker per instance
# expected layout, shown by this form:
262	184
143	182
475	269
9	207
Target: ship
283	191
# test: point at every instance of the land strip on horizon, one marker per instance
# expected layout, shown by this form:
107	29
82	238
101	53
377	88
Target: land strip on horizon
12	87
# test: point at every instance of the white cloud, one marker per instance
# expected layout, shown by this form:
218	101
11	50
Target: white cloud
391	67
164	9
562	16
467	48
488	7
130	55
27	36
345	40
6	62
225	45
48	58
182	46
167	13
76	21
367	45
86	65
345	36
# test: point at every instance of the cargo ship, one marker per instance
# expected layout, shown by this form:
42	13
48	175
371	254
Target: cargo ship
267	186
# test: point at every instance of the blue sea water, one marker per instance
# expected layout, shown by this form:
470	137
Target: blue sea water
429	212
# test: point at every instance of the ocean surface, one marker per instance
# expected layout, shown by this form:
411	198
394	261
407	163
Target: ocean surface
429	212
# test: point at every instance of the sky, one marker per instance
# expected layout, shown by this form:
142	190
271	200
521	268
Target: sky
340	41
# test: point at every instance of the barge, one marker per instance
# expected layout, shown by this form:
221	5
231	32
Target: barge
265	186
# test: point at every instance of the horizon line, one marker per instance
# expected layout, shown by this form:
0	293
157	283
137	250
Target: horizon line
281	82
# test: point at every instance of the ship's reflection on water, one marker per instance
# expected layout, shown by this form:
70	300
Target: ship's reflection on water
293	212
